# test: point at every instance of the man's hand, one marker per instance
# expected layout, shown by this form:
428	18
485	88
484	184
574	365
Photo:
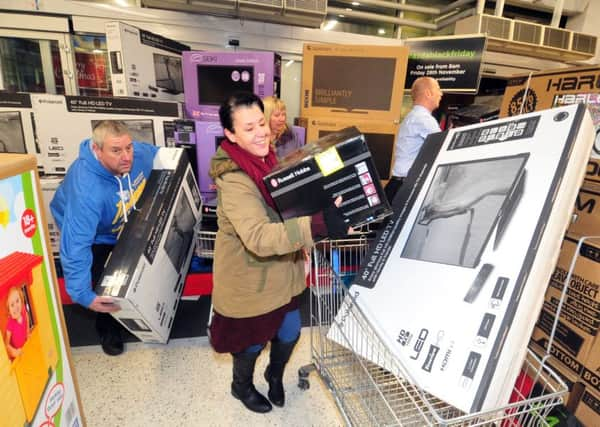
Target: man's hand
104	304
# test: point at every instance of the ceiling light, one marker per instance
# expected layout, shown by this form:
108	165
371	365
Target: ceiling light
329	25
381	31
355	3
348	9
342	16
290	62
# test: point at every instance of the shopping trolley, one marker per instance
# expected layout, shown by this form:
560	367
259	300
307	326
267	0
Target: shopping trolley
368	394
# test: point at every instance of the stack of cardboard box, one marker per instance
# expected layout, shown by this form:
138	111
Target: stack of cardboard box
575	346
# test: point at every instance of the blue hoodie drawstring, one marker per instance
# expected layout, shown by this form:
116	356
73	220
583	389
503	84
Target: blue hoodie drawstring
123	205
131	192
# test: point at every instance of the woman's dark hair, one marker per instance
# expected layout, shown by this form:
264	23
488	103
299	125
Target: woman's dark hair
232	103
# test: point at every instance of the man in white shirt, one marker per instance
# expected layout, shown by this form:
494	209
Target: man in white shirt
418	123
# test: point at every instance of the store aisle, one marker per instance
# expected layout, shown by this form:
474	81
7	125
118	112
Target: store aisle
185	383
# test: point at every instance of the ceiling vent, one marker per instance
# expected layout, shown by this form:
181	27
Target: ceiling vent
262	10
529	39
226	8
309	13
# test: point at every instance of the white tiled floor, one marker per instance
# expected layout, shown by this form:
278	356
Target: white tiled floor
185	383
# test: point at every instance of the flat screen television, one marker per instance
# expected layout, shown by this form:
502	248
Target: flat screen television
217	82
180	233
353	83
381	146
463	205
141	130
169	76
12	138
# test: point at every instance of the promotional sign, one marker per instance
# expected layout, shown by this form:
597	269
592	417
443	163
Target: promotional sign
454	283
37	381
454	62
91	70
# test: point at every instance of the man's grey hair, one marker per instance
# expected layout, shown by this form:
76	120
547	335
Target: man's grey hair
106	128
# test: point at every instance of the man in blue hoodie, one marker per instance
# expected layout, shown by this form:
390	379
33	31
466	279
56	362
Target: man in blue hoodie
90	207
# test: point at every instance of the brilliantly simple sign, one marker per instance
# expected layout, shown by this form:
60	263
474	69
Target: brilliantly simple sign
454	62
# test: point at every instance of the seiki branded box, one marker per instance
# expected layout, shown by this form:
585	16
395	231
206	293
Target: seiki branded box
379	134
210	77
17	127
62	122
147	268
454	283
360	82
144	64
339	164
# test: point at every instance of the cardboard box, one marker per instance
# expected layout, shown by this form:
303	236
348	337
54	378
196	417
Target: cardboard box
586	218
588	410
454	283
210	77
592	174
39	386
590	373
147	268
339	164
552	88
379	135
49	186
62	122
144	64
356	82
17	129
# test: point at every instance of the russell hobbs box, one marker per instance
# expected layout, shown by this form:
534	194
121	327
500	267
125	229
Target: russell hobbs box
146	270
339	164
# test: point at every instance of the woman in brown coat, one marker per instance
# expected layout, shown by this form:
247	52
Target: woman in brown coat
258	270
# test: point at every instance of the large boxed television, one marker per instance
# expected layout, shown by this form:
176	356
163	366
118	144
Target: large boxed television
379	135
353	81
144	64
62	122
146	270
454	282
339	164
210	77
17	126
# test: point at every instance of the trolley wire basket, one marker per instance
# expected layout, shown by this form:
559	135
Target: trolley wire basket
205	243
369	384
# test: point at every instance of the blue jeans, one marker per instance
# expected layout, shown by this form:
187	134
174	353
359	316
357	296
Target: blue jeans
288	331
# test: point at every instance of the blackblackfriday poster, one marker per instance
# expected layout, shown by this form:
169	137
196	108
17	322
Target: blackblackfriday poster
454	62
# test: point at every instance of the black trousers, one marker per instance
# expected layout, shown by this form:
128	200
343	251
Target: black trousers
105	323
392	187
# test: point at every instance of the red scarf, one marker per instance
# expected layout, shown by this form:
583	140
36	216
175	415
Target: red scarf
254	166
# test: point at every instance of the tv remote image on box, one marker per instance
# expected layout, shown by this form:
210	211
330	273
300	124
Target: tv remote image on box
480	279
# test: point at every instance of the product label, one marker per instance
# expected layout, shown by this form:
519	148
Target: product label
329	161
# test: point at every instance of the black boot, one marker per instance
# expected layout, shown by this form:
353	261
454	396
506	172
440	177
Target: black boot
109	332
280	354
242	387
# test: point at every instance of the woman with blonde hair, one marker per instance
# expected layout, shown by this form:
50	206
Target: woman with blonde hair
283	138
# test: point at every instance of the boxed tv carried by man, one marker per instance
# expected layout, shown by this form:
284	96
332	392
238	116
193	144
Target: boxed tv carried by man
146	271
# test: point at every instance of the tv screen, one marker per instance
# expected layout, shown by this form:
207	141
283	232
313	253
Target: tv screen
381	146
353	83
461	209
181	232
139	130
12	138
217	82
169	76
